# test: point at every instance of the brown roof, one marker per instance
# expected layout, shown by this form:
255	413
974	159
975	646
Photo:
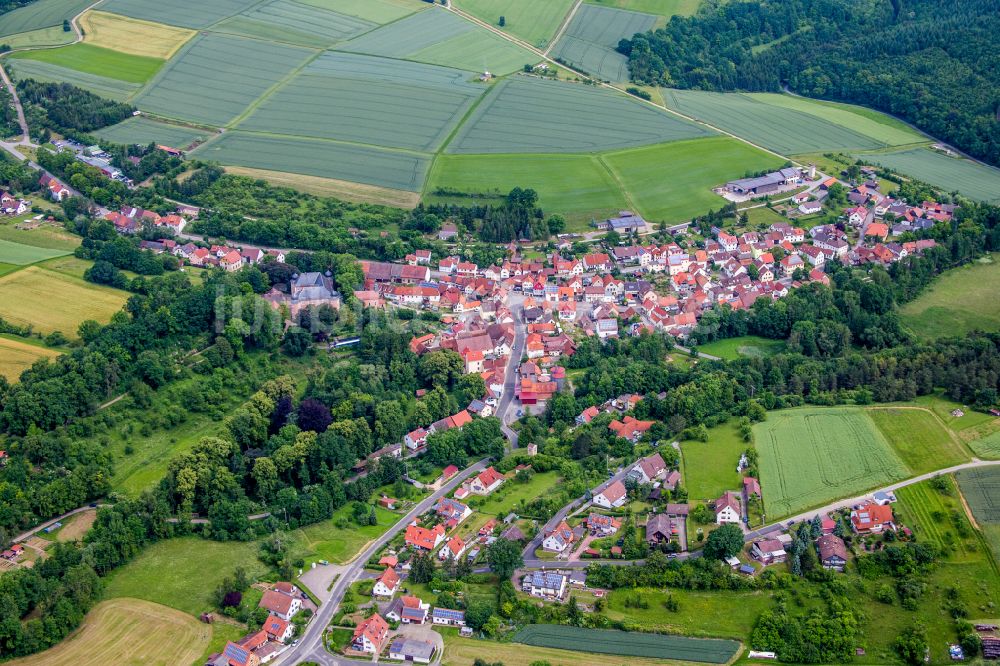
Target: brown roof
658	524
831	545
276	602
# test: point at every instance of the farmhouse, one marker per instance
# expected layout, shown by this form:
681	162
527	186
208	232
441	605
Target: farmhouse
832	552
283	601
370	635
611	496
727	509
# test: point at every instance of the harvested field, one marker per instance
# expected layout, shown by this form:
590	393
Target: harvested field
530	115
530	20
811	456
442	38
673	181
603	641
974	180
145	130
376	11
21	254
195	14
128	631
17	356
776	128
100	85
360	99
53	302
591	37
296	23
41	14
327	187
326	159
98	61
576	186
216	77
134	36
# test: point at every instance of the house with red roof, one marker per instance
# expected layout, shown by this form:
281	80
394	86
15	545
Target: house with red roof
423	538
872	518
453	549
630	428
587	415
278	629
283	602
387	584
486	482
611	496
728	509
370	635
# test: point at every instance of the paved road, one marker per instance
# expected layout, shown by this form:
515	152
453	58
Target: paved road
687	350
510	376
310	647
846	503
24	536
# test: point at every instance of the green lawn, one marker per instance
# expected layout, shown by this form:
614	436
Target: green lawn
325	541
534	21
575	186
710	467
747	345
512	493
919	438
45	236
673	181
699	613
99	61
960	300
182	573
20	254
938	518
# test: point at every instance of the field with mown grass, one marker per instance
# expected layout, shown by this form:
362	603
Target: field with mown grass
748	345
327	541
919	438
710	467
958	301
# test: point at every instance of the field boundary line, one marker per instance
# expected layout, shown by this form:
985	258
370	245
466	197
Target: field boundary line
254	105
562	28
951	433
320	139
614	176
492	90
255	5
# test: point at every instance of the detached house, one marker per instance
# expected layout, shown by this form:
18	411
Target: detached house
768	551
602	526
486	482
423	538
611	496
648	469
728	509
282	602
387	584
453	549
559	539
832	552
871	518
370	635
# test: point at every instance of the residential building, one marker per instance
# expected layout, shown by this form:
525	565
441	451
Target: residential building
423	538
600	525
284	604
448	617
872	518
728	509
559	539
611	496
648	469
768	551
387	584
370	635
411	650
544	584
832	552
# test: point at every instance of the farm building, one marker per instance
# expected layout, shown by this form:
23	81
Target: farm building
761	185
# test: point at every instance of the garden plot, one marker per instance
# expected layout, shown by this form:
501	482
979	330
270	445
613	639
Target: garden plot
591	37
815	455
783	130
143	131
974	180
370	100
295	23
216	77
441	38
530	115
51	73
313	157
197	14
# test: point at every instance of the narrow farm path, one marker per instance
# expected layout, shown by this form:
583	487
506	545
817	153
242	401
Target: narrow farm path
563	27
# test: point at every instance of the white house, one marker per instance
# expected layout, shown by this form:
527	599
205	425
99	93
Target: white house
612	496
453	549
727	509
387	584
544	584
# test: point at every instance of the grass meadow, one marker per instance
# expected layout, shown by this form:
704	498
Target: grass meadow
128	631
128	35
938	518
16	356
672	182
98	61
105	86
748	345
710	467
20	254
529	20
811	456
974	180
960	300
919	438
326	541
182	573
51	301
41	14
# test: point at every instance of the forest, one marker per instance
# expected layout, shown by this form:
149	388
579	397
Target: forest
933	63
64	107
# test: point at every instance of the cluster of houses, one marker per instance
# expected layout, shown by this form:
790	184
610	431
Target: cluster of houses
11	205
283	601
129	220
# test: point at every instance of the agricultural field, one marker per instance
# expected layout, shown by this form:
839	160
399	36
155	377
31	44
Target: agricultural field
50	301
129	35
960	300
17	356
104	86
141	130
673	182
710	467
465	652
442	38
54	36
356	98
529	20
182	573
603	641
974	180
195	14
529	115
576	186
987	447
295	23
22	254
981	489
328	187
216	77
41	14
98	61
376	11
811	456
747	345
938	518
666	8
48	236
700	613
919	438
781	129
128	631
592	35
325	159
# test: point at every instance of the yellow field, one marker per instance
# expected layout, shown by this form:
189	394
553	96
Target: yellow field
133	36
328	187
128	631
16	357
49	301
